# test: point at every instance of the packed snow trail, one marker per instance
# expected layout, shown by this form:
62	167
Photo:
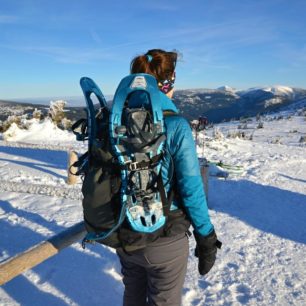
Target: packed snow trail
54	191
35	171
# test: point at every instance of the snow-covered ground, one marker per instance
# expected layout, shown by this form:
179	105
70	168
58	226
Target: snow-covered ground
259	213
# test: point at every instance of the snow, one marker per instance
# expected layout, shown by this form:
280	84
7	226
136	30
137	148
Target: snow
226	88
280	90
273	101
277	90
258	212
38	132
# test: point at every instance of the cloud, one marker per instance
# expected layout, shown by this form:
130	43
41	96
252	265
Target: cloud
293	56
210	45
238	32
67	55
213	45
159	5
70	55
8	19
95	37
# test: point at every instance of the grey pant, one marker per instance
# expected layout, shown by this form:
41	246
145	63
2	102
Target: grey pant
155	275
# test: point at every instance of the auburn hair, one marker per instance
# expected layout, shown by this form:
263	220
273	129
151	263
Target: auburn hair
159	63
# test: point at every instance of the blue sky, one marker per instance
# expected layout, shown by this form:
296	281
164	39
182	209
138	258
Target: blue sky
46	46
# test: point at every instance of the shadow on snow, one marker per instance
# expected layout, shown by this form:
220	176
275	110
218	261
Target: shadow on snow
269	209
79	276
47	159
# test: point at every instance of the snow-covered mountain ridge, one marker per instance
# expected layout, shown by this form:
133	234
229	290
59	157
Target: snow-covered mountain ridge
226	103
276	90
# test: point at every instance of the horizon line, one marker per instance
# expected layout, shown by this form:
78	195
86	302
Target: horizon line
63	97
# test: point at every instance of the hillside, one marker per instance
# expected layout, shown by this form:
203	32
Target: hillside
225	103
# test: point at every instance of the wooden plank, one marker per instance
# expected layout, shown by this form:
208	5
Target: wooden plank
40	252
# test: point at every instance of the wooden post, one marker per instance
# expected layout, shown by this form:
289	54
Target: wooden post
72	158
204	166
39	253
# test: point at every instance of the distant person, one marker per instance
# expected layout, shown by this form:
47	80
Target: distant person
154	275
203	122
200	124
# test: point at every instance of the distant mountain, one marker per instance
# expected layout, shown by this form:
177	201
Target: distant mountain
72	101
217	105
226	103
10	108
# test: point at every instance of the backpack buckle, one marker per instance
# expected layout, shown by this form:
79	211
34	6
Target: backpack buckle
132	166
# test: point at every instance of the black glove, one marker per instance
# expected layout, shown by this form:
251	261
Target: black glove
206	251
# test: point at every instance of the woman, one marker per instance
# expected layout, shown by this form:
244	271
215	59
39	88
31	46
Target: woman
154	275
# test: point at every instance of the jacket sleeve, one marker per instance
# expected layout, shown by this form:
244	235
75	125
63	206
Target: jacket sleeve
189	180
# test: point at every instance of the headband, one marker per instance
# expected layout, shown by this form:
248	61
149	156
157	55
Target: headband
166	85
149	58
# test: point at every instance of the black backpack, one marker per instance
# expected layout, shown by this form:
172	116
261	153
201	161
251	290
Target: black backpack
124	199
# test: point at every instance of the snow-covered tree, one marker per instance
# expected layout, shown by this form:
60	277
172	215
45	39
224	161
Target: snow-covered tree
56	111
37	114
58	116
